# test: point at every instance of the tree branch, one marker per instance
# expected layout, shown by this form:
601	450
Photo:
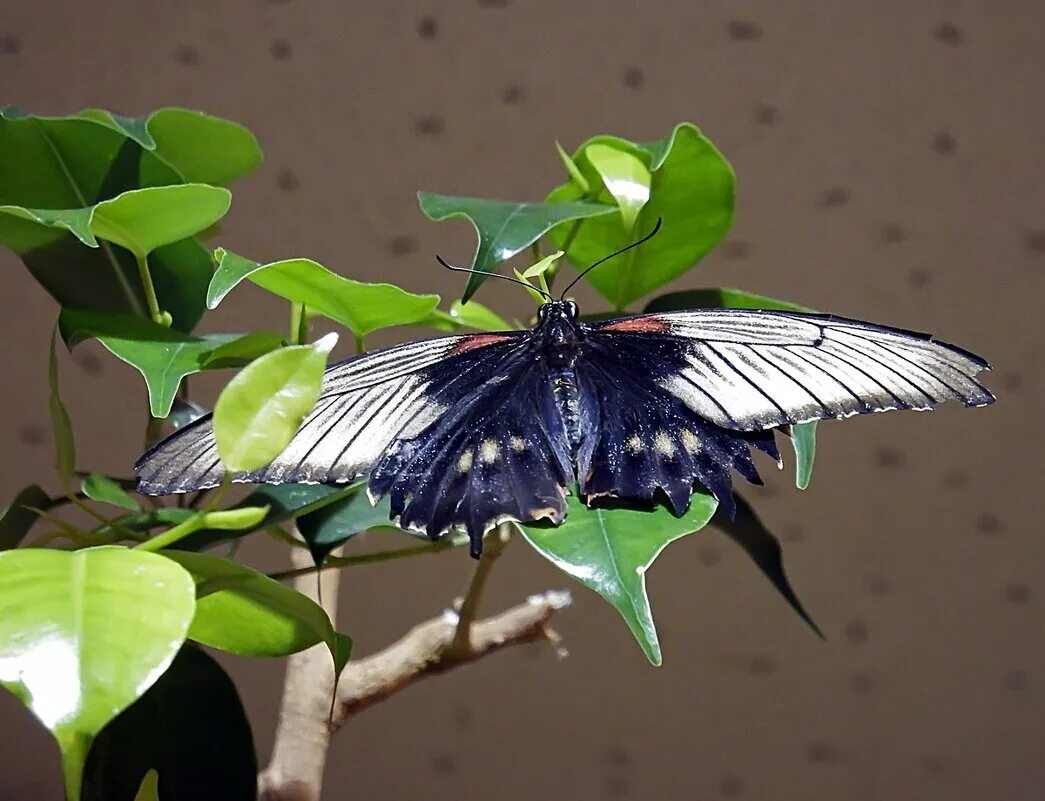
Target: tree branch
426	651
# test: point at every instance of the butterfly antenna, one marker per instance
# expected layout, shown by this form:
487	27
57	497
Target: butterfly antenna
449	266
613	255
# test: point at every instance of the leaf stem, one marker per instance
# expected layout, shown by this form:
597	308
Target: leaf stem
151	300
298	324
190	526
364	559
460	647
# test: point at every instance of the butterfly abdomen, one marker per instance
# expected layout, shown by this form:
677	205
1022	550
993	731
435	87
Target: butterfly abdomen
568	404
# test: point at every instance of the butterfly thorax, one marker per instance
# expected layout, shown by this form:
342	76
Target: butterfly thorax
559	336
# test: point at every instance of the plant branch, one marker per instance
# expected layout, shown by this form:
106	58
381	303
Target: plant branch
425	651
461	645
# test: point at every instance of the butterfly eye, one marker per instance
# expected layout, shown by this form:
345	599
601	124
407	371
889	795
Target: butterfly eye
571	309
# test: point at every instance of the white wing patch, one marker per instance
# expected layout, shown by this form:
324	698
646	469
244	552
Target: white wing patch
755	370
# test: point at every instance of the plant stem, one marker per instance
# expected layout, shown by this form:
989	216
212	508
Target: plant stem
460	646
364	559
150	291
190	526
298	324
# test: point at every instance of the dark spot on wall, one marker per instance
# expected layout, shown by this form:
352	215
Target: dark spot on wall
633	78
512	95
792	532
819	751
949	33
877	584
10	45
32	434
761	665
280	49
833	197
918	278
862	684
856	632
935	765
744	30
890	458
955	478
87	362
766	114
618	756
1017	593
709	556
988	523
445	764
428	28
287	180
944	143
493	3
891	233
461	717
187	55
617	786
736	249
402	245
1036	241
1012	381
429	125
731	786
1015	680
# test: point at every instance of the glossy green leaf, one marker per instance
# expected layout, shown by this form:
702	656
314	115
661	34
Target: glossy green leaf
504	227
142	220
691	190
202	148
719	298
18	517
190	727
259	411
750	533
625	177
330	526
162	356
61	427
610	550
571	167
83	634
361	307
105	490
803	438
244	612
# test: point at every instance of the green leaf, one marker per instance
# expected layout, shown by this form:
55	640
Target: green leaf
136	128
191	727
18	517
83	634
691	190
105	490
260	410
150	787
504	227
61	427
162	356
466	315
244	612
237	519
803	438
571	167
543	266
361	307
719	298
625	177
143	220
204	149
75	221
330	526
610	550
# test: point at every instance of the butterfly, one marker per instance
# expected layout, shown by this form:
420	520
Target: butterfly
465	432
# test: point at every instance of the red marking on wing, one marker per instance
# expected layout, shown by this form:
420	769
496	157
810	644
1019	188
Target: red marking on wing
476	341
638	325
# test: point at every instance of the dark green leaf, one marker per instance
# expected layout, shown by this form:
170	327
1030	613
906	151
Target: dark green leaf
362	308
84	634
610	550
163	356
18	517
190	727
504	227
691	190
61	427
750	533
105	490
719	298
259	411
328	527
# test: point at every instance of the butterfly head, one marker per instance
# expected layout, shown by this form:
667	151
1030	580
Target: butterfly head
558	330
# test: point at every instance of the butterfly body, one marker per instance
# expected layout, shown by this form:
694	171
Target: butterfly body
465	432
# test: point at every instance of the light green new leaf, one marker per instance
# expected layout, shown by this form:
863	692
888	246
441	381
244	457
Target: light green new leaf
204	149
61	427
691	190
83	634
361	307
162	356
803	439
260	410
244	612
105	490
144	219
18	517
504	227
466	315
624	176
610	550
571	167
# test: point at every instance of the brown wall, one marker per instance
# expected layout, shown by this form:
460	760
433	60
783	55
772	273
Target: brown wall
889	163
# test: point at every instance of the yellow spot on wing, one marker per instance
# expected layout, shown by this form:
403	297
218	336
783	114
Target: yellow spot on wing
518	444
464	464
489	451
690	441
663	444
635	444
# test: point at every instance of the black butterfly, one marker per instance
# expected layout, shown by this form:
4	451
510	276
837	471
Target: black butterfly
469	431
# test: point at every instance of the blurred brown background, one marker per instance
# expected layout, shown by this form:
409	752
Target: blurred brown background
889	165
